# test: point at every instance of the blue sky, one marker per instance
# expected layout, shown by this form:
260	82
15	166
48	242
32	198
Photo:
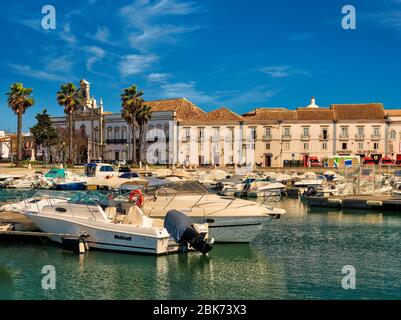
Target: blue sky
234	53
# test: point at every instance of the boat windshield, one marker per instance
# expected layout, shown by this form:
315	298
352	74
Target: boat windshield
185	187
92	197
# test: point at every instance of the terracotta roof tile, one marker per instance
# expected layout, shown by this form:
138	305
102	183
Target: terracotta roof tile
315	114
184	109
221	115
368	111
269	115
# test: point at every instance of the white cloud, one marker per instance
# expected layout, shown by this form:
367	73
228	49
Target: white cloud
67	35
27	70
158	77
96	55
140	16
283	71
61	64
102	34
186	90
134	64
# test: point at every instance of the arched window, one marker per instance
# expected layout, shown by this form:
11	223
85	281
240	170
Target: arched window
393	135
109	133
124	133
83	130
116	133
96	134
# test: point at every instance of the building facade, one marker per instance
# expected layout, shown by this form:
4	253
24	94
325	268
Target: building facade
180	132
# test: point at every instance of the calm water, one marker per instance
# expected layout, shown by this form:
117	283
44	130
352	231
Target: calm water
298	257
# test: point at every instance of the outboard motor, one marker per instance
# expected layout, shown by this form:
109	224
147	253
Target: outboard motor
179	227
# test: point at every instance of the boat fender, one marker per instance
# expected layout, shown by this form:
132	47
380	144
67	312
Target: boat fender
139	195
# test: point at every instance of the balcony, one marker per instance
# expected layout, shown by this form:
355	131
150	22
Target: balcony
344	136
286	137
323	137
116	141
267	137
376	137
305	136
186	139
359	137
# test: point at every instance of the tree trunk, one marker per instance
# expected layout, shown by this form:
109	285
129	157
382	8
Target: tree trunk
139	157
134	159
70	138
19	139
133	145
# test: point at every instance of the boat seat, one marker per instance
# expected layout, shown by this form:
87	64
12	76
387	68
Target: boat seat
110	213
136	217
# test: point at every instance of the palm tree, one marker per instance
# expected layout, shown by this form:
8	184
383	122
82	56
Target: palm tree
19	100
131	102
143	115
70	98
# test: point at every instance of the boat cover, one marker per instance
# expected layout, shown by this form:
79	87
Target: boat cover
176	223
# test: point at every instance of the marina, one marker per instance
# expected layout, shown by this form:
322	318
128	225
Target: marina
281	258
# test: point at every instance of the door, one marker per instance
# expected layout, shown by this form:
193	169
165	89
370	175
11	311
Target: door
268	160
117	156
306	160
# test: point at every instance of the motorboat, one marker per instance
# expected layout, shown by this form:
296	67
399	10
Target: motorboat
229	219
35	202
107	229
274	191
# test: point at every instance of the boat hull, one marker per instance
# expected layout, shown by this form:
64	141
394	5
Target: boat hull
100	238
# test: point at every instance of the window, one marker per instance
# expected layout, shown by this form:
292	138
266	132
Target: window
253	133
306	146
187	159
361	131
393	135
360	146
344	146
109	132
231	159
116	133
216	133
267	146
201	133
376	132
286	146
124	133
230	134
324	145
287	132
325	133
268	132
187	133
344	131
376	146
106	169
306	132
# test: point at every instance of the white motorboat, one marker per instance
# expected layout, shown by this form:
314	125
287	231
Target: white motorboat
105	229
33	203
273	191
229	219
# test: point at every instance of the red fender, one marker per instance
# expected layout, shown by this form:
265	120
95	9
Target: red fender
137	194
